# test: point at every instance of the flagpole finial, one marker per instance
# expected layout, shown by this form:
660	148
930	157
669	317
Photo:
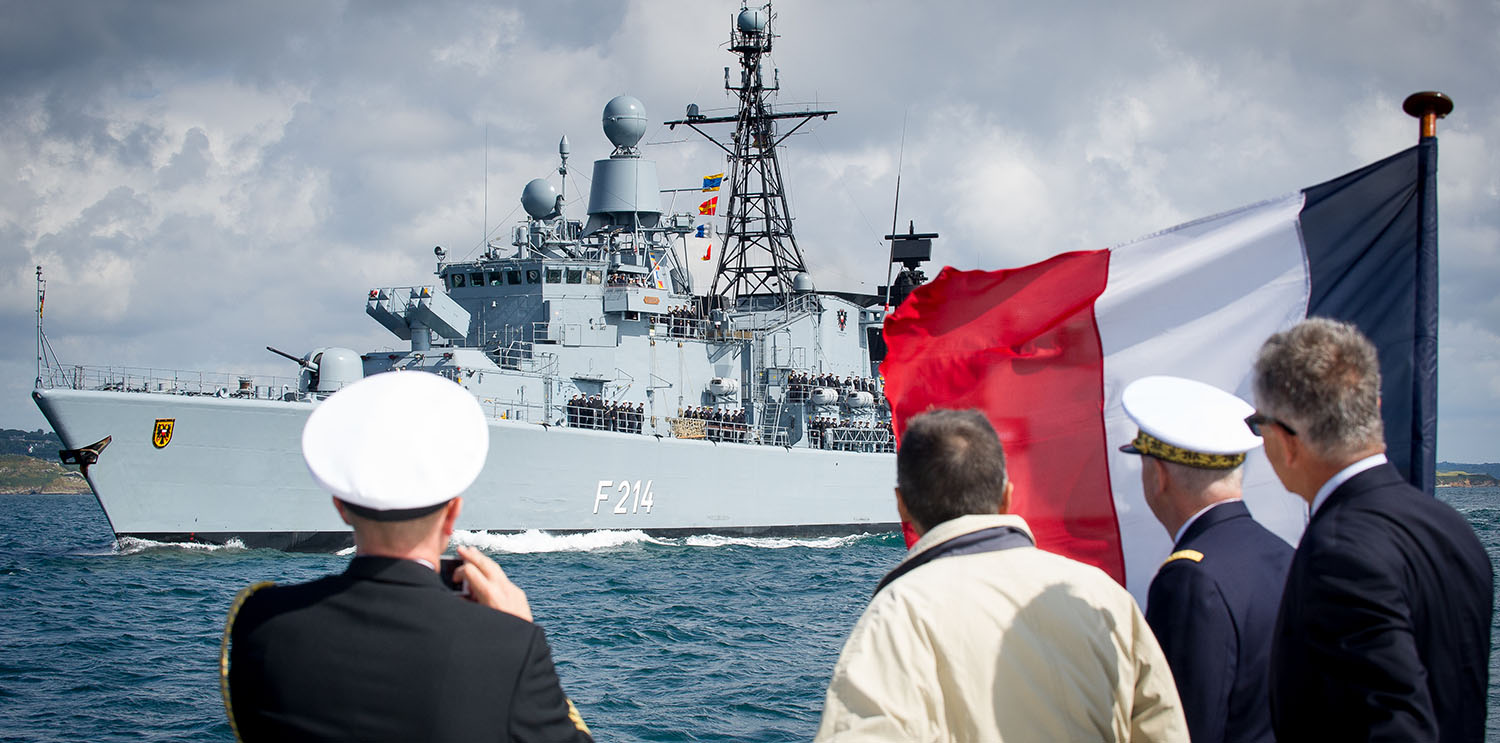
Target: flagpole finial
1428	106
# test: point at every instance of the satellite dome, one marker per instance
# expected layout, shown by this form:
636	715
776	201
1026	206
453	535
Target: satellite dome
539	198
624	121
802	282
752	21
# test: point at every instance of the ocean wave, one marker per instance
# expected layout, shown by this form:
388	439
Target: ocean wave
534	542
773	543
133	546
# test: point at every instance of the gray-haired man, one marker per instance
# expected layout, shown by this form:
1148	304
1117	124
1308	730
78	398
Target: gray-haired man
1384	629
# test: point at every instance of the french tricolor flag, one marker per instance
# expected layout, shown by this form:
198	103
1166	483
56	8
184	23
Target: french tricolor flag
1046	350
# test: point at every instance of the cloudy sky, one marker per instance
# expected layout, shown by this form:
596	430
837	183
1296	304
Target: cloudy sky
200	180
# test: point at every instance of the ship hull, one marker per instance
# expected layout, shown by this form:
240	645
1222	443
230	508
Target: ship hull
232	470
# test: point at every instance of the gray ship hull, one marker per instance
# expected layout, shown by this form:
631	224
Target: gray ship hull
233	470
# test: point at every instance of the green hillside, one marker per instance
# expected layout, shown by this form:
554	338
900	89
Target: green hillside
1462	479
22	474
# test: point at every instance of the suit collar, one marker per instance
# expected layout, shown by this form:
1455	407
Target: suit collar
1381	474
1343	476
392	570
1216	514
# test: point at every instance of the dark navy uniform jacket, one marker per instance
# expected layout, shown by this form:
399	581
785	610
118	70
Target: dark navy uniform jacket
1384	631
1213	608
386	652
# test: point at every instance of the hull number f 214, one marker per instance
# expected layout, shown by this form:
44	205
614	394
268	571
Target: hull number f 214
634	497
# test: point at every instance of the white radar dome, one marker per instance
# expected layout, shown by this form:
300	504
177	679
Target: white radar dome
624	121
752	21
539	198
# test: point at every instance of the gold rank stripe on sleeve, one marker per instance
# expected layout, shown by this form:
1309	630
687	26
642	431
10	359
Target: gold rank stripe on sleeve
578	720
1150	445
234	610
1193	555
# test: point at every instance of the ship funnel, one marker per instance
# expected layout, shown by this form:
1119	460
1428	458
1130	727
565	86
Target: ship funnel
625	193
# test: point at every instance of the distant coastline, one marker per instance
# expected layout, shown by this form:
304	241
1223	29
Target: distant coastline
23	475
1459	479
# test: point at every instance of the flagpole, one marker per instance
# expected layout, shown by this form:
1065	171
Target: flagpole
1427	107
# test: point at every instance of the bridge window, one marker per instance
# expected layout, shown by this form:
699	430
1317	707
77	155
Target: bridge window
575	276
457	280
554	275
512	277
476	278
593	276
495	279
533	276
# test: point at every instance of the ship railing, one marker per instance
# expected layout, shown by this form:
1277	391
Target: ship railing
619	419
513	410
522	356
847	438
171	382
696	328
728	431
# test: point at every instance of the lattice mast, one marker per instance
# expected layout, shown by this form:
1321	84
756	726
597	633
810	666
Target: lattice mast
759	255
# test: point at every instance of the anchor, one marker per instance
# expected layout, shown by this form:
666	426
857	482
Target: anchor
84	456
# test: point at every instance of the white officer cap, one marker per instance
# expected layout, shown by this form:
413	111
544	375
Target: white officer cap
1188	422
396	445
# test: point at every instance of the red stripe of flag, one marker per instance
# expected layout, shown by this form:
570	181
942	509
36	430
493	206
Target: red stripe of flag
1022	346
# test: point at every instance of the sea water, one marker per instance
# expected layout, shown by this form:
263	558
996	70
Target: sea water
694	639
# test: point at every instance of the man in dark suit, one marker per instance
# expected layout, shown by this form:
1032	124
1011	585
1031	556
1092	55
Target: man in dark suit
1213	602
385	650
1384	628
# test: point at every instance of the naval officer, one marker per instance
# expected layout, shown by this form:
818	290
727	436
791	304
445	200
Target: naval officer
1213	602
386	651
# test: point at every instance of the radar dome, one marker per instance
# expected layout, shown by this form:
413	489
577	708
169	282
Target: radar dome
539	198
802	282
624	121
752	21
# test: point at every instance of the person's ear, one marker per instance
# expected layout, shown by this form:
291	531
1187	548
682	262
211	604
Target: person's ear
1010	487
450	514
343	514
906	516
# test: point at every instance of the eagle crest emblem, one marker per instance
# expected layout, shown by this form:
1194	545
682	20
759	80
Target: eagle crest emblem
162	434
843	319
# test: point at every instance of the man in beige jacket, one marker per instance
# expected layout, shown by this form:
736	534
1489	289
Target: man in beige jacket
980	636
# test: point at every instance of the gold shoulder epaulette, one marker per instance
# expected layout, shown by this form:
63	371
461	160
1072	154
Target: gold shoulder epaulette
234	610
1193	555
578	720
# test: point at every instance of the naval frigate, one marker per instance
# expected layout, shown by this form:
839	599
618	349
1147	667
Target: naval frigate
619	395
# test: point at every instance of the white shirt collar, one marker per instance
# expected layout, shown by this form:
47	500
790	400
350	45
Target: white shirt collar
1181	530
1374	460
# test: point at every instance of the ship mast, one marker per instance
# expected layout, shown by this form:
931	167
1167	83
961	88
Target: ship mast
41	299
759	255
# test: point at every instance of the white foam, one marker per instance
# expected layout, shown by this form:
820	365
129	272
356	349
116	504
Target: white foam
133	545
771	543
534	542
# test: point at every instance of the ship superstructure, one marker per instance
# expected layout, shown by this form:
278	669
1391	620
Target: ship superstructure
619	396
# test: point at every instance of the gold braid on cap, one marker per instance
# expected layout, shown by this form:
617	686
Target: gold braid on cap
1150	445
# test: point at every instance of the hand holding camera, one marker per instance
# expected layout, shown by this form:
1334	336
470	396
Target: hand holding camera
486	583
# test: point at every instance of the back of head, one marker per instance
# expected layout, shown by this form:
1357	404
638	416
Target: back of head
1323	378
950	464
395	447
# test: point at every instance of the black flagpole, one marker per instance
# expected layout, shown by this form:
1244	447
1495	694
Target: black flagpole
1428	107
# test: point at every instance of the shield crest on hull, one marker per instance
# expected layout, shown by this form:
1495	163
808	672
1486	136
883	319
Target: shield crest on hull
162	434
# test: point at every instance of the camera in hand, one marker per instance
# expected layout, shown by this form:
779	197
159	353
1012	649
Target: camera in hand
445	571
